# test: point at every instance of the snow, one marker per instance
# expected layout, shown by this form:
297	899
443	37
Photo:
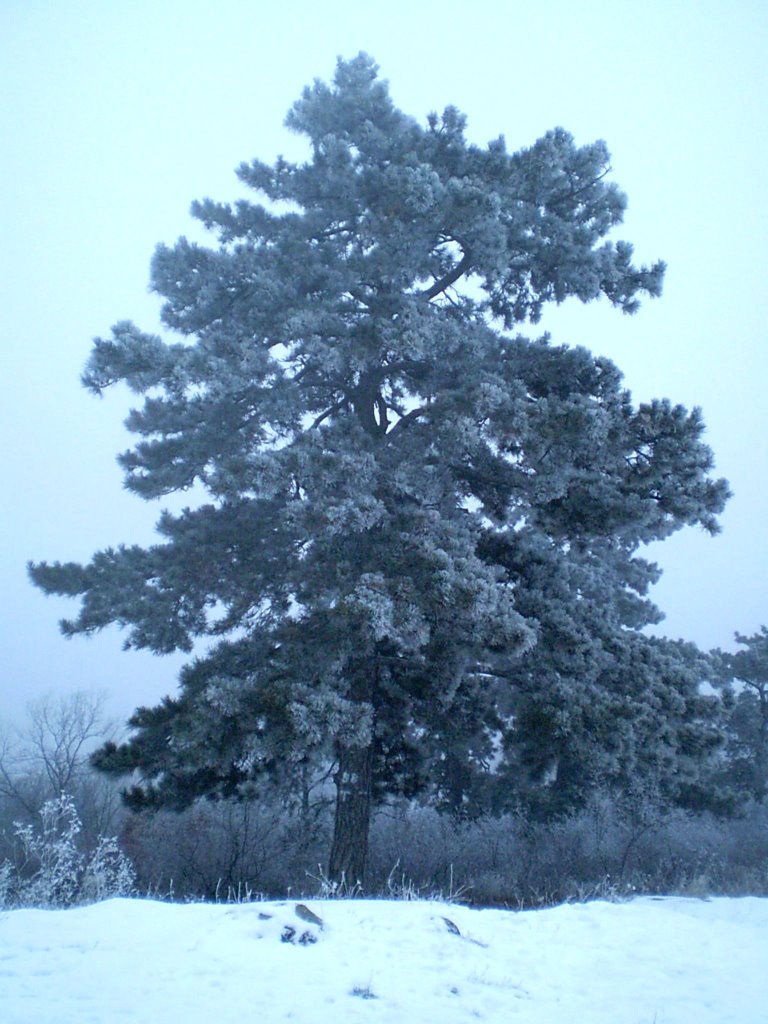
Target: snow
648	961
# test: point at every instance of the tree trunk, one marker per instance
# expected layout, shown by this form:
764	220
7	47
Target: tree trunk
349	851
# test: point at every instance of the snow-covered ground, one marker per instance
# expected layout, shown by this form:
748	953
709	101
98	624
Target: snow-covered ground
649	961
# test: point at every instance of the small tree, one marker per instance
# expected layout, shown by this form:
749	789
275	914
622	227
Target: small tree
748	712
397	486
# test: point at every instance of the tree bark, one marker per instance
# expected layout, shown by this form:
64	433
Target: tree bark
349	850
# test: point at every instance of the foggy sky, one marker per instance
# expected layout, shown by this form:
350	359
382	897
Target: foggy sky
114	117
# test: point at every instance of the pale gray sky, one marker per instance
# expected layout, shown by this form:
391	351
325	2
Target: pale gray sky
114	116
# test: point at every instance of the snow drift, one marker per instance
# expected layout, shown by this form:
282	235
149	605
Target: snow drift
648	961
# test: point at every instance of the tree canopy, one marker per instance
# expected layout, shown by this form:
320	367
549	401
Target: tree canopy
418	549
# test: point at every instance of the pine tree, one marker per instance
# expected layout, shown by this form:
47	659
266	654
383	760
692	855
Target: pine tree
745	674
408	505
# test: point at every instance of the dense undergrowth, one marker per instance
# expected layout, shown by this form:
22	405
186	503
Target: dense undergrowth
243	851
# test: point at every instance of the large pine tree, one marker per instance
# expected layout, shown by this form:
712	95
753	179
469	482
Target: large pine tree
421	533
